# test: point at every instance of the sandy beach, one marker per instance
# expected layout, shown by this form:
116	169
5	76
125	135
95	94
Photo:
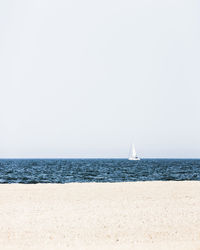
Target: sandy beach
140	215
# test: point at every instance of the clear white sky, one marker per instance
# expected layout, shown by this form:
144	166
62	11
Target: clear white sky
85	78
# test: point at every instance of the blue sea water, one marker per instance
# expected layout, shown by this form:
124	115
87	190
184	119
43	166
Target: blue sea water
97	170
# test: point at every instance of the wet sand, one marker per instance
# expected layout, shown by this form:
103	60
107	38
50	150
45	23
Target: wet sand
138	215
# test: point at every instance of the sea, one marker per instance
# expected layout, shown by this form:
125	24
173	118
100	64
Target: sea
97	170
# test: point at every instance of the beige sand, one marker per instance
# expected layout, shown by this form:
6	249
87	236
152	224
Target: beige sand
144	215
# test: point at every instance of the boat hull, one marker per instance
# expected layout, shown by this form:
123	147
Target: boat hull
134	159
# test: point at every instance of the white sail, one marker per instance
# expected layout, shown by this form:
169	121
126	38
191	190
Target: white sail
133	154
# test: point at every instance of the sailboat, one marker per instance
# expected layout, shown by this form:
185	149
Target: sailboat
133	154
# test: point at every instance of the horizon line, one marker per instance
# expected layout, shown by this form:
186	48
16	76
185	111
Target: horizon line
79	158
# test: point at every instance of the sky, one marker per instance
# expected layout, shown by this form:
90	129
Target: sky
88	78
